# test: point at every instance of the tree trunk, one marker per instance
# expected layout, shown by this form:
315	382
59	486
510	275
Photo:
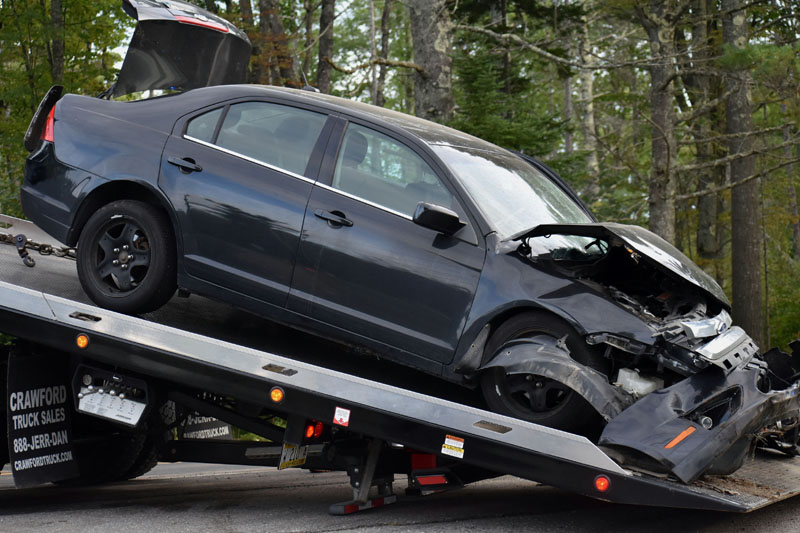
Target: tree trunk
700	90
588	129
659	21
380	97
746	246
793	209
277	52
57	59
432	37
309	7
324	68
246	9
373	54
568	148
248	25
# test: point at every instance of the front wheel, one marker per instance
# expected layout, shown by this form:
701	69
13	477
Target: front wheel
126	257
537	398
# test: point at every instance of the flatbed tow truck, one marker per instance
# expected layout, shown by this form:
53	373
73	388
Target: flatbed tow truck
95	396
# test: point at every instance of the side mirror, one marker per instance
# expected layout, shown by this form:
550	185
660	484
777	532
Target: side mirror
437	218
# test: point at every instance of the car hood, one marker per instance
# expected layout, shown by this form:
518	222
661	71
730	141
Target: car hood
179	46
666	257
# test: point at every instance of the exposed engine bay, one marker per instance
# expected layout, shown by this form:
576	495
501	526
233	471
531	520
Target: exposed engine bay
700	397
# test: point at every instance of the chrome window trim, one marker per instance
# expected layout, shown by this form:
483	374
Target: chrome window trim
363	201
246	158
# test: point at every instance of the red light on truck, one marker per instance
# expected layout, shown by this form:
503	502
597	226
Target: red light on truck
318	427
602	483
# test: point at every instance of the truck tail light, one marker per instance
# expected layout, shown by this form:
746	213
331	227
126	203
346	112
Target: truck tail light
602	483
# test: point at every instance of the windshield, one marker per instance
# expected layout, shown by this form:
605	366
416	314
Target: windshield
511	194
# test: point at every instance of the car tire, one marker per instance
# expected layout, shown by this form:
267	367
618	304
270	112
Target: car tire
126	257
536	398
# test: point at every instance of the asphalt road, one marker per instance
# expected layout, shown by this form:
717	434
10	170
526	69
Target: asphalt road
212	498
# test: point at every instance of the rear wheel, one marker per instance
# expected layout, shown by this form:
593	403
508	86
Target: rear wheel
533	397
126	257
103	452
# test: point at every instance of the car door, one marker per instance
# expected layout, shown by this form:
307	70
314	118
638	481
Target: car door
364	266
239	177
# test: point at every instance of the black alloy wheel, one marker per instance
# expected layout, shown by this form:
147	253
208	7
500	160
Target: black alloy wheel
537	398
126	257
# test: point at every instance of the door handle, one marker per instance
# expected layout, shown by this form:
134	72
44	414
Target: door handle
186	164
336	218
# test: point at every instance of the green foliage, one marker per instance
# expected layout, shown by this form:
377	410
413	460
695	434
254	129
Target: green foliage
92	30
513	118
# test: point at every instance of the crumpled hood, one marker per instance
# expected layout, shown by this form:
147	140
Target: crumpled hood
643	242
179	46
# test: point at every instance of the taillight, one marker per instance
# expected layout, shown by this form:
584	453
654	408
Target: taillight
210	24
47	133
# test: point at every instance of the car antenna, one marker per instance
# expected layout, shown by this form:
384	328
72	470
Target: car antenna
306	86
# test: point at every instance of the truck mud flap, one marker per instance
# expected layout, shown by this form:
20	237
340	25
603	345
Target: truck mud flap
39	411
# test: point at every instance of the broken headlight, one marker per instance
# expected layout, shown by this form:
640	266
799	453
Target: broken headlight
729	350
708	327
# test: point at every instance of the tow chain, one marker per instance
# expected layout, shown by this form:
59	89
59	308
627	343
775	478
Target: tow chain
23	245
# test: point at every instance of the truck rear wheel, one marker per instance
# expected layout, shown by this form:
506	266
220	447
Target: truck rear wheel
103	452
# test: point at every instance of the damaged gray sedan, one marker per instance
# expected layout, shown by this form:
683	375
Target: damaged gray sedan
425	245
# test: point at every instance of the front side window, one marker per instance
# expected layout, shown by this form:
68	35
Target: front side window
278	135
383	171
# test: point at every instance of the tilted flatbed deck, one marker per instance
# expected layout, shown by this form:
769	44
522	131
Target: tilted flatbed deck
45	304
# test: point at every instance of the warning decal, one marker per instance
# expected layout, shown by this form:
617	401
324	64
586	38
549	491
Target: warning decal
341	416
453	446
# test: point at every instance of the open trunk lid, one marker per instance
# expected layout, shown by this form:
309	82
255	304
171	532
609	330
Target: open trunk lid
179	46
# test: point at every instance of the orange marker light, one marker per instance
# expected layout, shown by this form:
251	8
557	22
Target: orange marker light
82	341
276	394
682	435
309	431
601	483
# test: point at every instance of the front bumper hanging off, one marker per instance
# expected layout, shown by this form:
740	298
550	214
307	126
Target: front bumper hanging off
705	423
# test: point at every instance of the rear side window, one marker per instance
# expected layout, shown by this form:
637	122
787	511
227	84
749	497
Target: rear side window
202	127
385	172
278	135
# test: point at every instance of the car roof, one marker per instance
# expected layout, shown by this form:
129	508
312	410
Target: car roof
425	130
